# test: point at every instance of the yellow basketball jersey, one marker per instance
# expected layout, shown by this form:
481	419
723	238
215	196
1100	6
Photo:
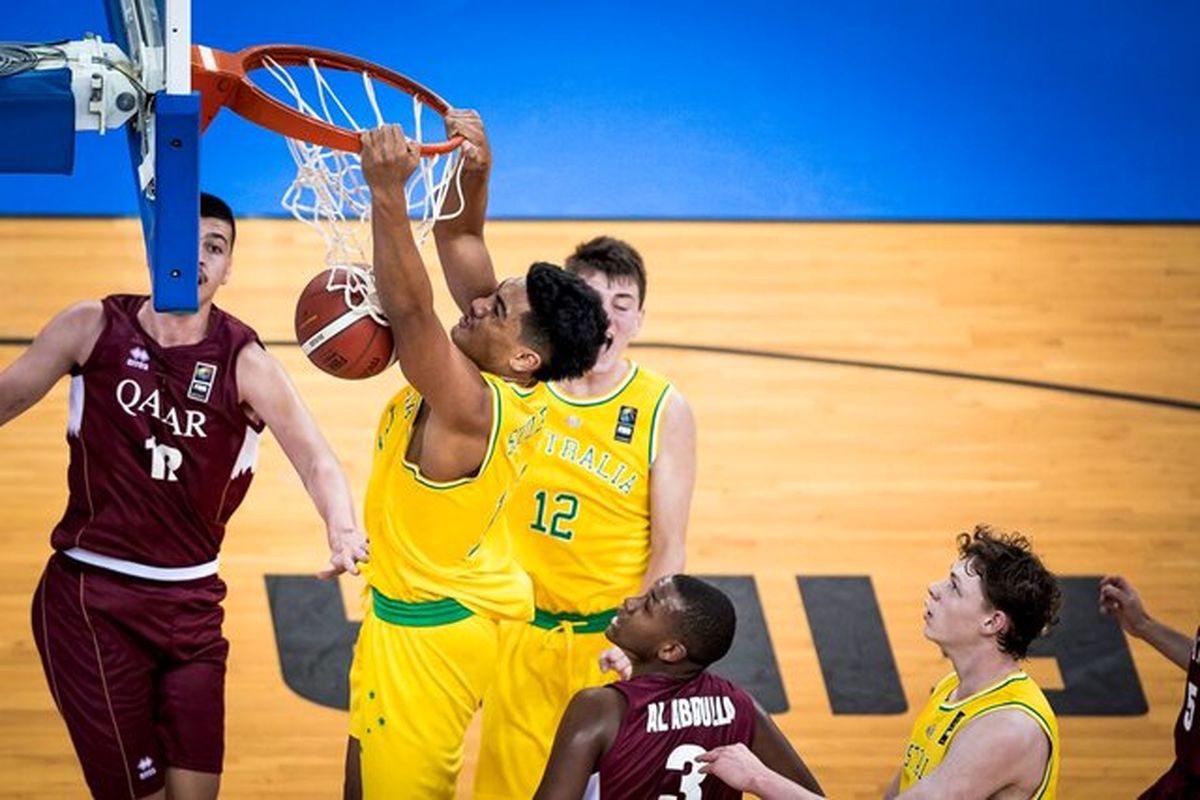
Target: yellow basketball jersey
941	720
581	516
433	540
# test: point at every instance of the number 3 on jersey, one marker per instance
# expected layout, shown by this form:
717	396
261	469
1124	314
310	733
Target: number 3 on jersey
683	759
164	460
563	508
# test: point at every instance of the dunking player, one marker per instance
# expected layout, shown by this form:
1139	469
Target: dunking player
987	730
449	448
600	515
164	417
1119	599
640	737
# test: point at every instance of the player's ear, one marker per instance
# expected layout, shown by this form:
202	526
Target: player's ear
525	361
995	623
672	652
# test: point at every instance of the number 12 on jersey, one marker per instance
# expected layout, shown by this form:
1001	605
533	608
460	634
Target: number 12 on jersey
563	508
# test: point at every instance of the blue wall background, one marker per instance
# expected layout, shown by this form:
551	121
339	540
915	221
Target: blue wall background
936	109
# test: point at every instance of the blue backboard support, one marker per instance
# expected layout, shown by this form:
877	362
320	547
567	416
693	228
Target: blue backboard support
164	148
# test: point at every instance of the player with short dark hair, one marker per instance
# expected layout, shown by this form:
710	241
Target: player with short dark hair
601	513
164	419
448	451
640	737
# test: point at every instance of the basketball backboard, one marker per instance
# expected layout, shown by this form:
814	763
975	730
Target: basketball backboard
164	142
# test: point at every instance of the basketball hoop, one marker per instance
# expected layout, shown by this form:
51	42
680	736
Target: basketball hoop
321	124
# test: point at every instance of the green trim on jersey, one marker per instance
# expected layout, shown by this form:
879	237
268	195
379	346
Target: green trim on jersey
1019	676
439	486
598	401
652	452
580	623
418	615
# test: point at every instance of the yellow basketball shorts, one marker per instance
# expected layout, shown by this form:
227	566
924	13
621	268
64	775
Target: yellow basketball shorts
414	689
538	672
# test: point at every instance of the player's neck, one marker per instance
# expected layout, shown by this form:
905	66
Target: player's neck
597	381
174	330
682	672
980	668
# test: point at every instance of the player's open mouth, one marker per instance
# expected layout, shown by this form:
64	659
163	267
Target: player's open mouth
201	278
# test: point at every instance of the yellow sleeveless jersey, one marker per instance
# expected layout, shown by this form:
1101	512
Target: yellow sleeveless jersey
941	720
581	516
432	540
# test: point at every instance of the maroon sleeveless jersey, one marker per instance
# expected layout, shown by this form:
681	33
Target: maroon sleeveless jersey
162	451
667	724
1182	780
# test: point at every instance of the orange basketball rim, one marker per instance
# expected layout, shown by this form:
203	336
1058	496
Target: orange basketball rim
223	80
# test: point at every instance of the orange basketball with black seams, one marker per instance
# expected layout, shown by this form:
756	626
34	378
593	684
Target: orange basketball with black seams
340	337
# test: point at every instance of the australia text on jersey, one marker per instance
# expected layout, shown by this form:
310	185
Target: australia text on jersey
566	448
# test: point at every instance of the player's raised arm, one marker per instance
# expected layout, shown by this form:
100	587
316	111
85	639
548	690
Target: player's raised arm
588	728
445	377
1119	598
672	481
66	340
461	248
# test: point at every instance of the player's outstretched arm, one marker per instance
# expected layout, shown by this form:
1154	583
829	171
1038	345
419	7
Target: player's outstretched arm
265	388
1002	750
446	379
66	340
465	259
586	731
672	482
740	769
1119	598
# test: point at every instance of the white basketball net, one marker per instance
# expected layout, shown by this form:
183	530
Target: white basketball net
330	194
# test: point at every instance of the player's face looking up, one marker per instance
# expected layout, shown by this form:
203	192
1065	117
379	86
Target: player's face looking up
645	626
622	302
216	256
956	610
489	333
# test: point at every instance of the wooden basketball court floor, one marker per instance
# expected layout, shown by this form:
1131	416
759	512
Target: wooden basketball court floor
806	467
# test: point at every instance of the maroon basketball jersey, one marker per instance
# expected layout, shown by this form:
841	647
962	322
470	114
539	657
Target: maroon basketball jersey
1183	779
667	724
162	451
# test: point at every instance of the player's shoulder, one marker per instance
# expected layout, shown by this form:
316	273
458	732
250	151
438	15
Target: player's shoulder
598	704
240	329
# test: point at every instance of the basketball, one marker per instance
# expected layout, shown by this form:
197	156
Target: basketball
340	337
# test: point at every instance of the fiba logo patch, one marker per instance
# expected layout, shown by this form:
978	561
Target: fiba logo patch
203	377
138	359
626	422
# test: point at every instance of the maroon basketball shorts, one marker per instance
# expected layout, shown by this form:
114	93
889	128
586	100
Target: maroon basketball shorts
137	669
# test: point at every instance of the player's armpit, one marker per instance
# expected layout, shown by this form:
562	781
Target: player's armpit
995	751
65	341
586	731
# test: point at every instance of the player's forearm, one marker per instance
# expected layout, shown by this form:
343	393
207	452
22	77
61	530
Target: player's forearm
770	785
1166	640
326	484
666	558
474	213
400	277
